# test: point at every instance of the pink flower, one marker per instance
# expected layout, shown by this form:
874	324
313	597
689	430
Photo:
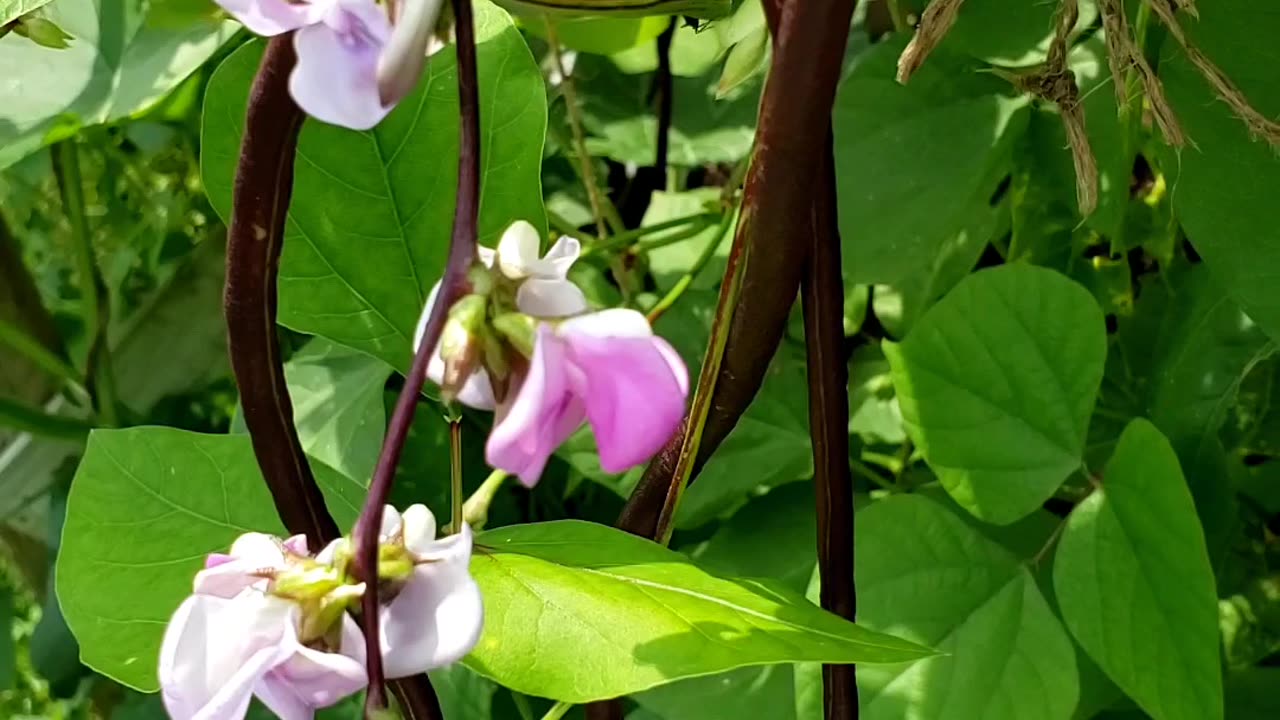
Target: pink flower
544	292
232	639
343	75
607	368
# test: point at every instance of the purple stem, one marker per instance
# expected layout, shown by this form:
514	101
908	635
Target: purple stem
462	253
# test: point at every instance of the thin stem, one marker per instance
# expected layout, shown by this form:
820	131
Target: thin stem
522	705
462	254
255	236
622	239
66	168
564	227
575	125
26	419
43	358
664	84
898	14
557	711
455	473
699	265
870	473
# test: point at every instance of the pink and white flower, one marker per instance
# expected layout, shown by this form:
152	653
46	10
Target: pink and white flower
232	639
353	66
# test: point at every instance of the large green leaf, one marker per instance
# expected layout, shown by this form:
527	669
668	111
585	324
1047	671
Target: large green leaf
116	65
996	385
146	507
1235	225
924	573
914	163
1133	580
372	212
771	537
577	611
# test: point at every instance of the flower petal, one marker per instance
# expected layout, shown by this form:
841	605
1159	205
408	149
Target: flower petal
634	394
437	617
518	250
252	555
309	679
272	17
401	62
550	298
419	529
542	415
335	78
215	650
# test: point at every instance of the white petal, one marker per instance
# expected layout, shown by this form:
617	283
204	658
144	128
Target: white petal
616	322
419	529
556	263
550	298
518	250
252	555
437	618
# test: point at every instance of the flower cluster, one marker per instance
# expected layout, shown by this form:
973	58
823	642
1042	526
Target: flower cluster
525	345
354	65
269	619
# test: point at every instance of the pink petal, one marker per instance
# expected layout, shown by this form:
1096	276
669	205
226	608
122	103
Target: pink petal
634	394
401	63
215	650
542	415
296	544
272	17
437	617
309	679
335	79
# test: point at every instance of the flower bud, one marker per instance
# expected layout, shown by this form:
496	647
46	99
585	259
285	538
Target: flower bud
460	345
518	329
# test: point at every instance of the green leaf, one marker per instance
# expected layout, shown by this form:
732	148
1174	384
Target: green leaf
1251	695
619	8
337	396
913	163
771	537
13	9
923	572
1133	580
1234	225
599	35
996	384
1008	33
746	60
372	212
578	612
619	120
874	414
115	66
146	507
669	263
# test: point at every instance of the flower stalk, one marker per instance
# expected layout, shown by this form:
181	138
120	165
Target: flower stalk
462	253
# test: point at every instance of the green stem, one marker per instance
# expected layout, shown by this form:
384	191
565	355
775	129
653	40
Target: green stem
899	16
34	421
42	357
476	509
522	705
66	165
700	220
455	473
564	227
686	280
557	711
